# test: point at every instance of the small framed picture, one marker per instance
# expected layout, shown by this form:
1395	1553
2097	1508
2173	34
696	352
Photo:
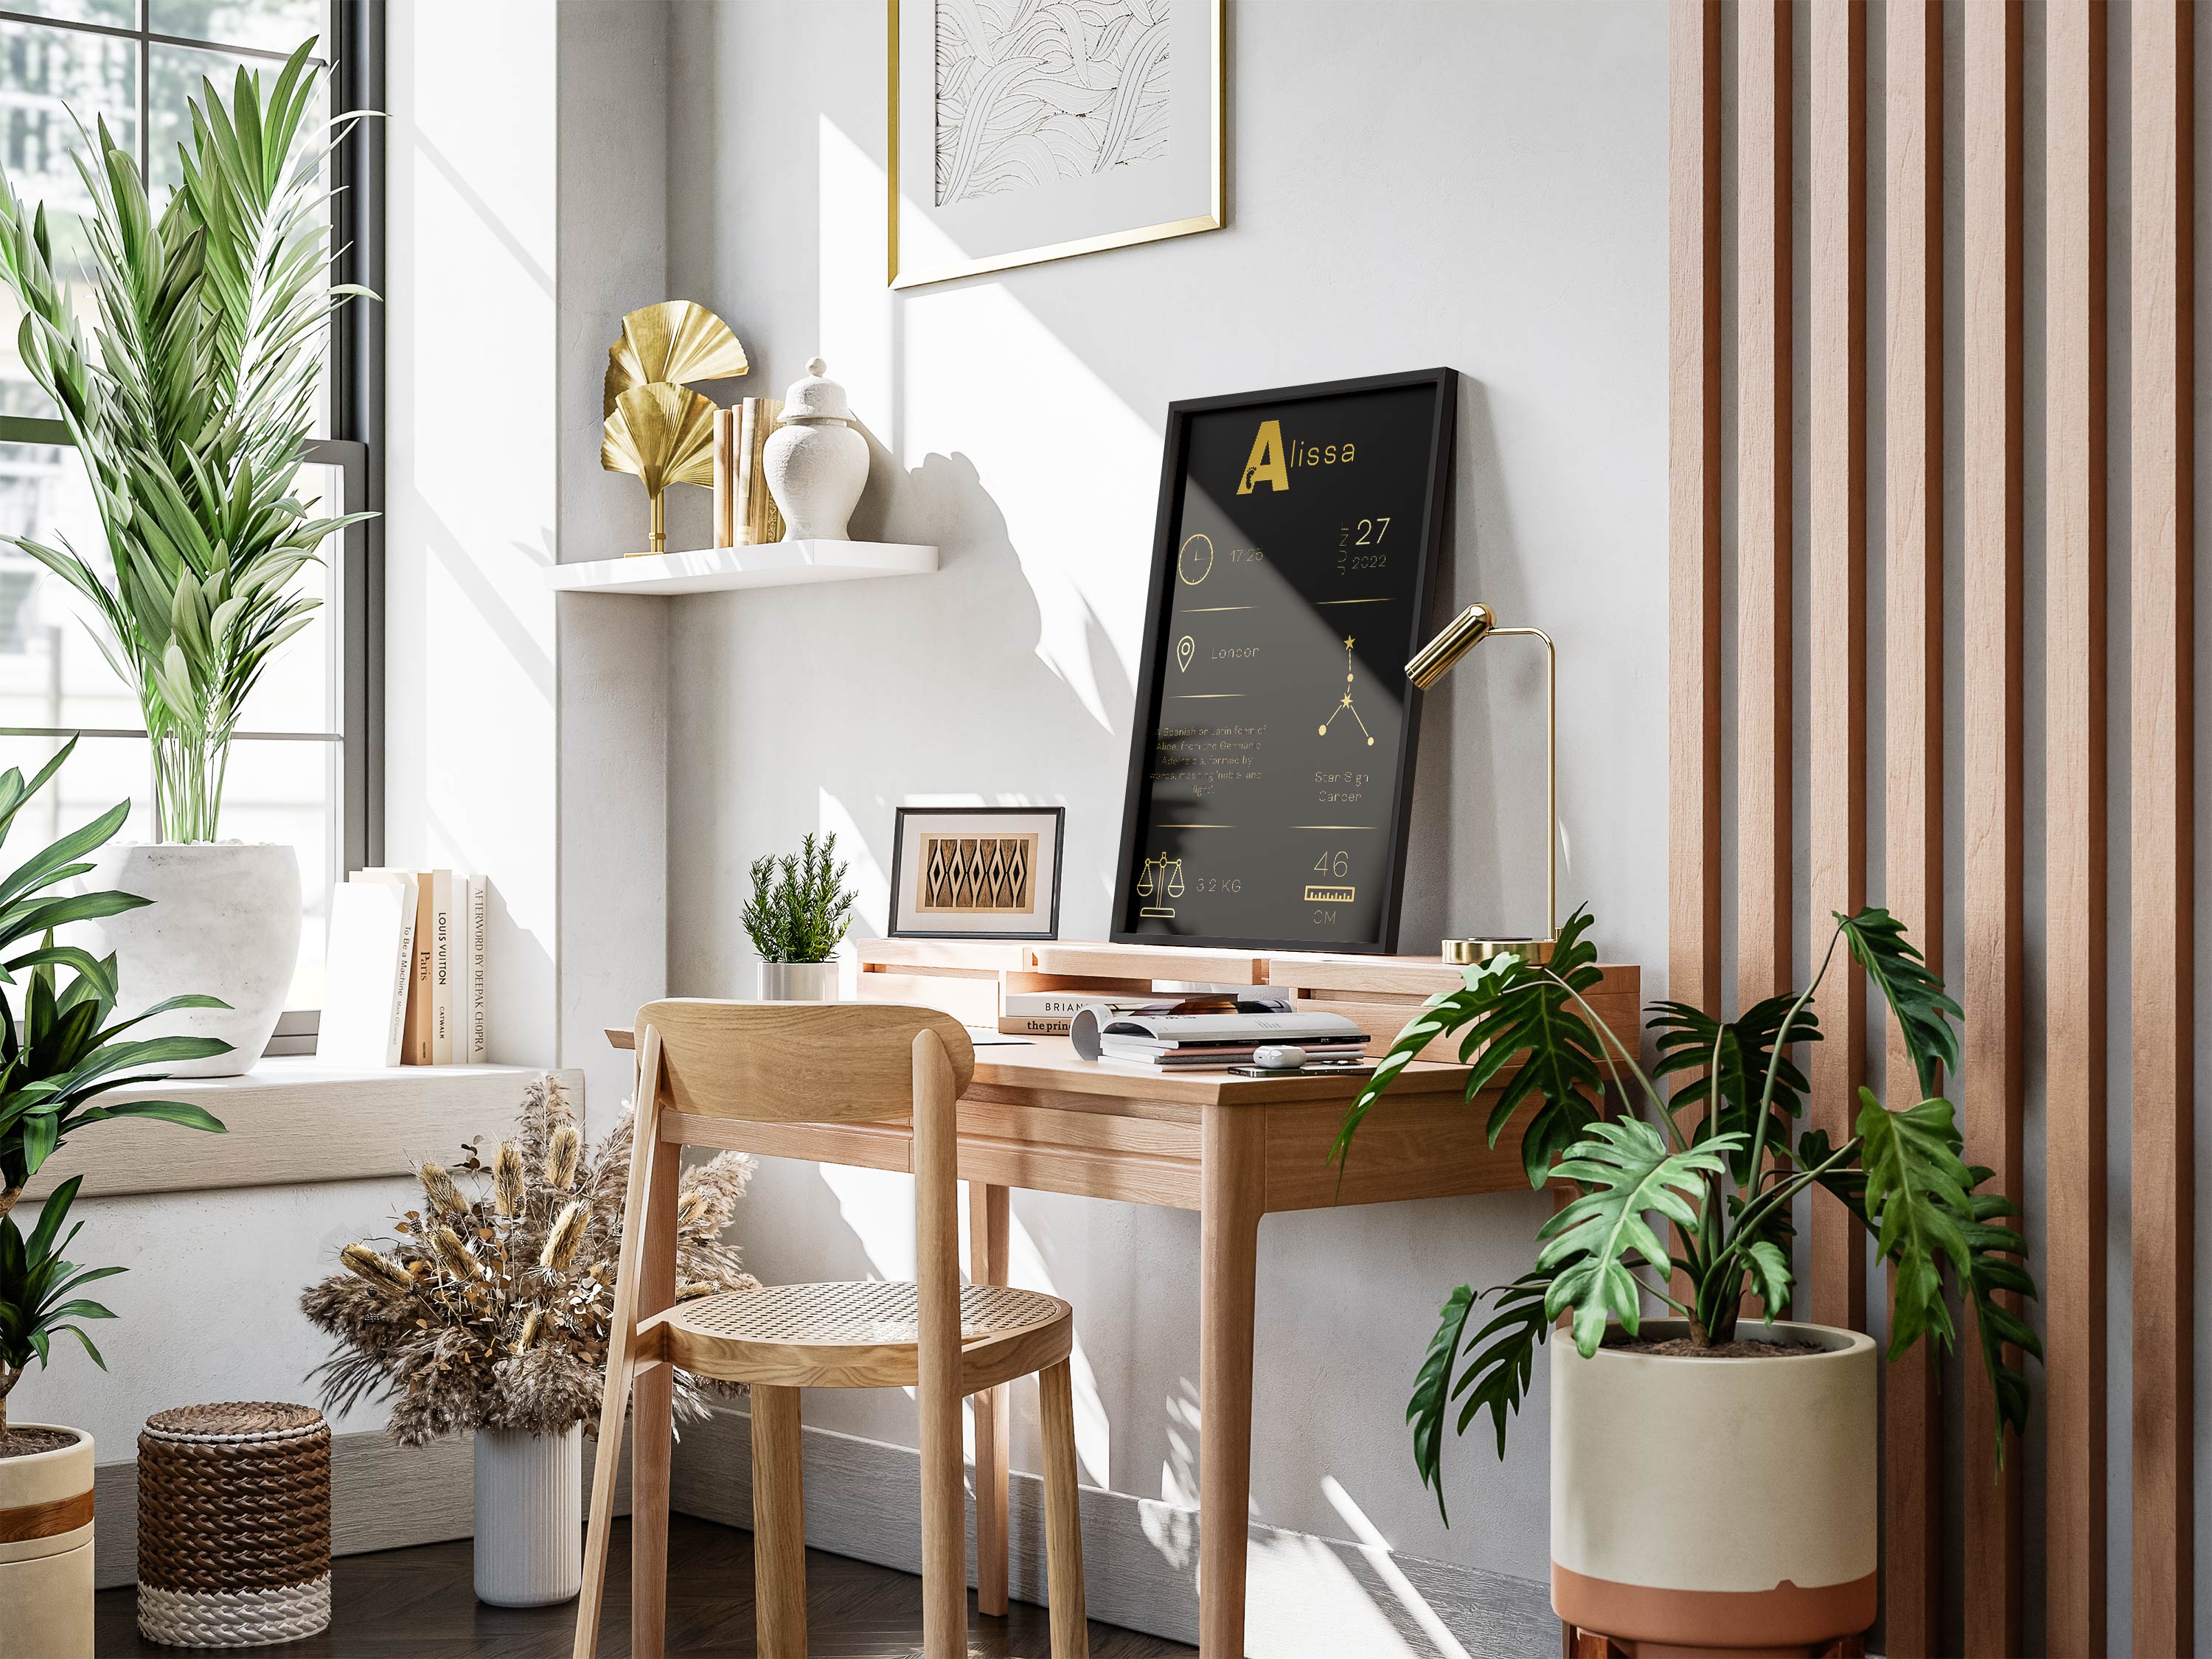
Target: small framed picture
976	872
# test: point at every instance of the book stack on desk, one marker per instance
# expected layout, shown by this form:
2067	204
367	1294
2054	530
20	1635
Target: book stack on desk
1180	1042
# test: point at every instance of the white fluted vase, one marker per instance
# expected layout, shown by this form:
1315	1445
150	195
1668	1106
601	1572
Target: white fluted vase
530	1516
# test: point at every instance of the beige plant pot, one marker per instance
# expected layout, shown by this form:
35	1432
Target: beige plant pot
1717	1504
45	1551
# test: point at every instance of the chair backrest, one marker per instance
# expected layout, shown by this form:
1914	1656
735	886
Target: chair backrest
797	1062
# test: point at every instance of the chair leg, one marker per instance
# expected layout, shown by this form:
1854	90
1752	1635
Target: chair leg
1063	1517
652	1401
779	1525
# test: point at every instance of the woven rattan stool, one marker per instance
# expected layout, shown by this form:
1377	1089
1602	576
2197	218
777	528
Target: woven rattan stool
233	1525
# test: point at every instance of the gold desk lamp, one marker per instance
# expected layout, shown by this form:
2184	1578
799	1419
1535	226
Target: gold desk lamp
1433	661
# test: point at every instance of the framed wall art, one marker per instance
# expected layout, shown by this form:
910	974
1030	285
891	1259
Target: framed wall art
1271	761
976	872
1022	132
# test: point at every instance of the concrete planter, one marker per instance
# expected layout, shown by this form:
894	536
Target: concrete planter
530	1516
1710	1505
224	922
45	1551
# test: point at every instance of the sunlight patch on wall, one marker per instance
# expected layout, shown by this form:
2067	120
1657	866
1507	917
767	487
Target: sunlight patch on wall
1056	449
853	327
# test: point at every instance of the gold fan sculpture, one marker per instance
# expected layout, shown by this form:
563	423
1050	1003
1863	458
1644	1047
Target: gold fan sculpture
656	426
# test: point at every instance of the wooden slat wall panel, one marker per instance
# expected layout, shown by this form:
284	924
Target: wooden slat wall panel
2073	1224
1991	1055
2162	720
1766	433
1914	738
1837	879
1694	470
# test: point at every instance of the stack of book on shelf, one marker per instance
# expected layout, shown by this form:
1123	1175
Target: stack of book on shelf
404	976
1203	1032
745	512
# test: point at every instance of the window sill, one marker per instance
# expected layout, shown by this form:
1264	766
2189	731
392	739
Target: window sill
291	1121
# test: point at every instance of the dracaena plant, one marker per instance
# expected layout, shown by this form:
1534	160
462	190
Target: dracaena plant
60	1055
37	1293
190	407
1718	1163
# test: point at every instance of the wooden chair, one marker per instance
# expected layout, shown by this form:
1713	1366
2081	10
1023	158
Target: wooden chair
817	1063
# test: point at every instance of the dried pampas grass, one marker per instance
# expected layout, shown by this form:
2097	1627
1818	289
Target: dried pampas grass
492	1311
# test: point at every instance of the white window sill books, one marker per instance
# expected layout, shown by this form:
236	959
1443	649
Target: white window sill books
291	1121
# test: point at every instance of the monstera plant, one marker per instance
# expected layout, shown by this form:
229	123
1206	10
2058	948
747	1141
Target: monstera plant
1685	1202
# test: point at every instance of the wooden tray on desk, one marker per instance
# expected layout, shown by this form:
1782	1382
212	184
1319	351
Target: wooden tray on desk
967	981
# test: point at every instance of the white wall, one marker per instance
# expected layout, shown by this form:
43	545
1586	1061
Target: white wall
1471	185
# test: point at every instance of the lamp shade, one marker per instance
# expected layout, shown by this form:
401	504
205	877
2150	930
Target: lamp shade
1460	635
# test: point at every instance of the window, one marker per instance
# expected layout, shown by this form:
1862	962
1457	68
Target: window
306	767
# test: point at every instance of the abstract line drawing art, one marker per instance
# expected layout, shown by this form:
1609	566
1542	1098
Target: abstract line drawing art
1031	93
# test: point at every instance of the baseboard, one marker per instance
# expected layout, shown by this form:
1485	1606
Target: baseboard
1307	1595
384	1496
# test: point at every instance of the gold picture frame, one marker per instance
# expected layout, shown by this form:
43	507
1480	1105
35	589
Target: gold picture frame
1214	218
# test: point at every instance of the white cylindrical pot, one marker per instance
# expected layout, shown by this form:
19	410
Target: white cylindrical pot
1716	1504
798	982
530	1516
224	922
46	1577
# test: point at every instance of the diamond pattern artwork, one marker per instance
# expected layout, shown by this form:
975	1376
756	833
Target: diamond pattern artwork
979	875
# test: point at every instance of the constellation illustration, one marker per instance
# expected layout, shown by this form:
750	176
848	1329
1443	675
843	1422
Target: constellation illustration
1345	701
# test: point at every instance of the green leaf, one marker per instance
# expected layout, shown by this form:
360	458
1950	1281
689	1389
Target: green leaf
1915	1199
1432	1393
1916	996
1770	1276
1686	1037
1626	1169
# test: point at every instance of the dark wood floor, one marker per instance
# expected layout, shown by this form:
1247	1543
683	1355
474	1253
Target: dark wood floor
420	1604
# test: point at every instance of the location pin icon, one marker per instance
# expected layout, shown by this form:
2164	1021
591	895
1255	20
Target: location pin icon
1184	650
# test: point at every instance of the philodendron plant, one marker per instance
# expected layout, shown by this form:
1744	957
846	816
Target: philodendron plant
191	410
1721	1160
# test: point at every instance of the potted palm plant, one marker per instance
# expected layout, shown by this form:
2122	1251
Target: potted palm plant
1712	1478
61	1057
798	915
191	415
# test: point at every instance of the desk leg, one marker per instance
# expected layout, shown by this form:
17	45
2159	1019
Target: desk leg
988	1222
1232	1187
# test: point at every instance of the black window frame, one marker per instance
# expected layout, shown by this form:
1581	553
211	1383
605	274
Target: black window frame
354	50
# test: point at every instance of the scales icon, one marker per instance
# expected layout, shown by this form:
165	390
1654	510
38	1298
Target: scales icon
1161	878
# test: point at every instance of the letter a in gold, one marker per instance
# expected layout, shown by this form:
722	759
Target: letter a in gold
1265	465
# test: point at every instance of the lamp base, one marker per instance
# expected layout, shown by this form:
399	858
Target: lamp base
1465	952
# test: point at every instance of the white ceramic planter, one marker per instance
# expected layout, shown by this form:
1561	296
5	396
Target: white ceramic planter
45	1581
224	922
798	982
530	1516
1716	1504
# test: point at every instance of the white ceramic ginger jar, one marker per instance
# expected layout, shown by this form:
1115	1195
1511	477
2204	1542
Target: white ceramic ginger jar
816	461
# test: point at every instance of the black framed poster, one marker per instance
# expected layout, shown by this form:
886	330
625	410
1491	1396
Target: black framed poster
1271	764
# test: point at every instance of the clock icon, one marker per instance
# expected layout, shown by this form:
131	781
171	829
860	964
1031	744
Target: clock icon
1195	562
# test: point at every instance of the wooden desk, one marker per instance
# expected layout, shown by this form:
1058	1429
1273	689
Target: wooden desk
1232	1148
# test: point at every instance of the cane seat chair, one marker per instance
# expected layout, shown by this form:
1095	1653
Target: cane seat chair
699	1061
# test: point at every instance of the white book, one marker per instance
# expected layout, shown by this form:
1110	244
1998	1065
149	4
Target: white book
473	902
366	969
443	938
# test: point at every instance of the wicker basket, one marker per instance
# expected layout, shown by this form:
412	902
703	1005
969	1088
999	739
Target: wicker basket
233	1525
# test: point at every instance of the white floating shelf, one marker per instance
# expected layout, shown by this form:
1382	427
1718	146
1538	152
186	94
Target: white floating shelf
720	569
